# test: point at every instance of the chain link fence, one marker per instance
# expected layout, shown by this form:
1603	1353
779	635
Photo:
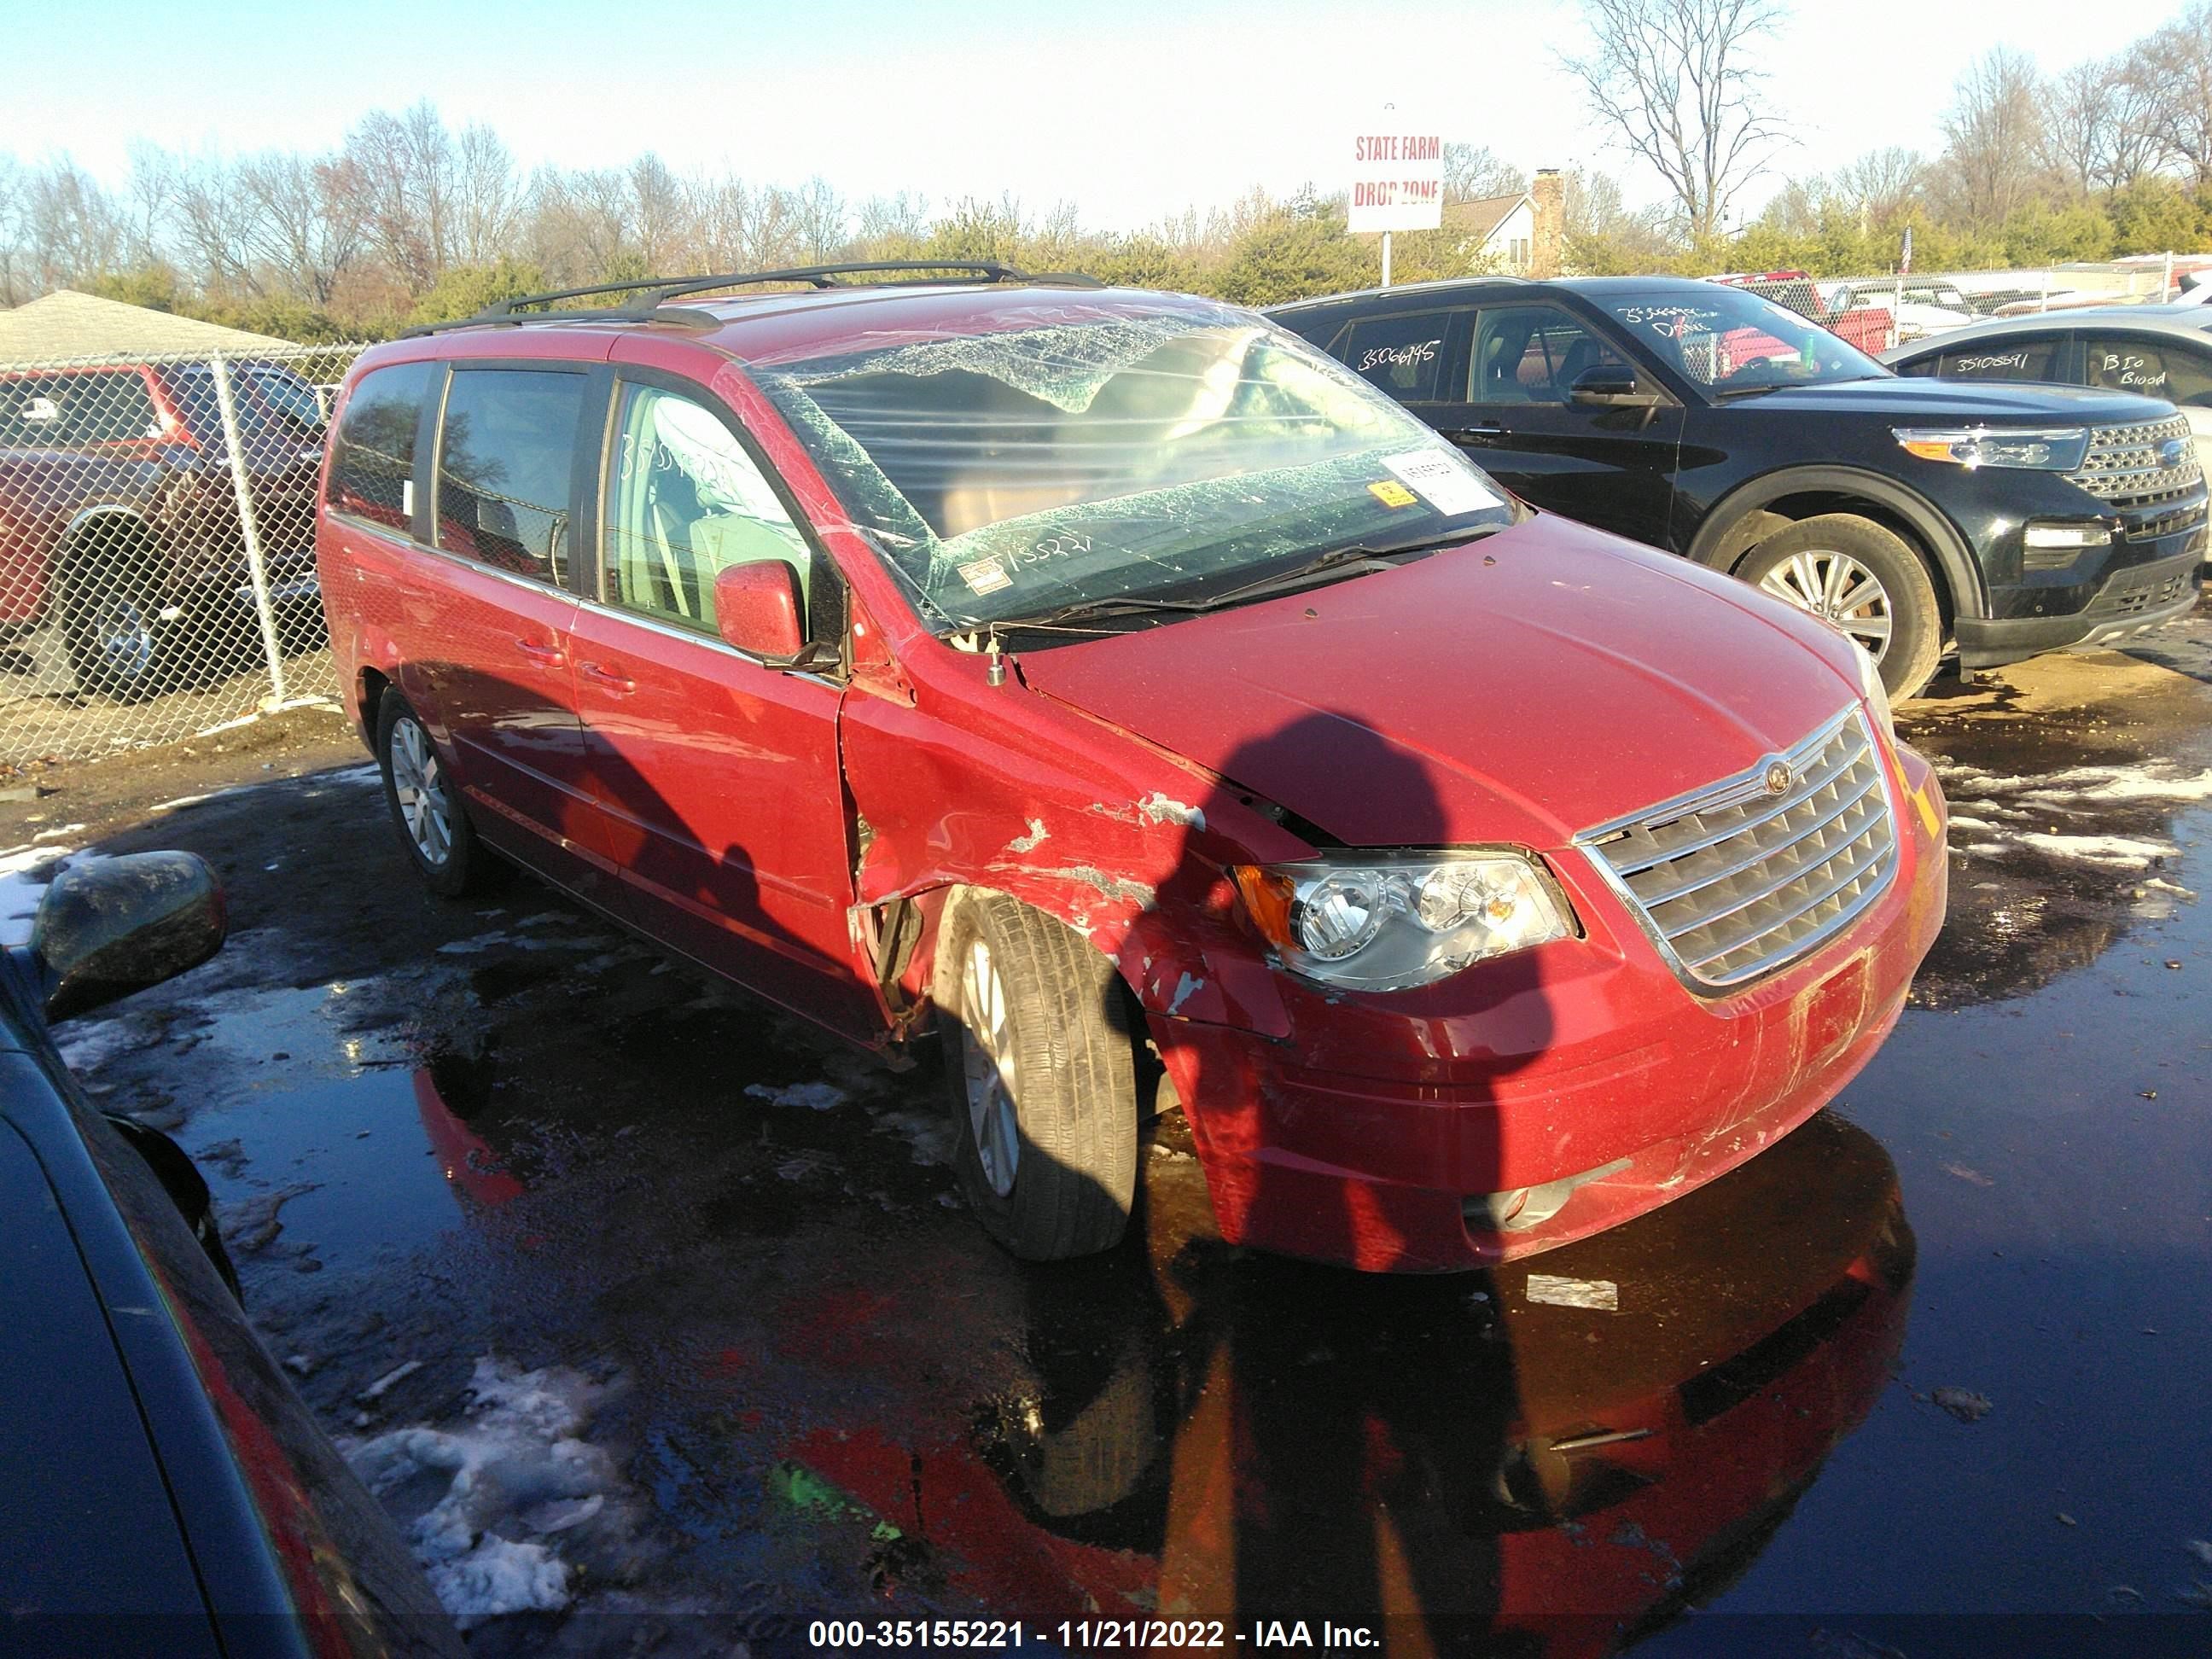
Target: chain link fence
157	568
1876	312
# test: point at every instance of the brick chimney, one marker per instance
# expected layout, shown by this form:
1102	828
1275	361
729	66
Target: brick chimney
1547	200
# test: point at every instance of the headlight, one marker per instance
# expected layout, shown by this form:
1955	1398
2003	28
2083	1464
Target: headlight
1876	693
2048	449
1389	921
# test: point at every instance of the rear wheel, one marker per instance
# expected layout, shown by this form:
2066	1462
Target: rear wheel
1853	573
1041	1074
111	618
426	808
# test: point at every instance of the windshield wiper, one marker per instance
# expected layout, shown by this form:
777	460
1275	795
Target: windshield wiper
1358	558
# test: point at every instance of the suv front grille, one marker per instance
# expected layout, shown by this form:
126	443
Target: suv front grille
1737	879
2122	466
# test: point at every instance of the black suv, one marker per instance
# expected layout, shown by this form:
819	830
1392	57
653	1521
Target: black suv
1703	419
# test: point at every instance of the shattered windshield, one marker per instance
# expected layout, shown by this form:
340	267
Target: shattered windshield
1110	452
1728	339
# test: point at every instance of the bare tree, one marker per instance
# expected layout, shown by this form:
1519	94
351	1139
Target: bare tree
1994	126
1473	173
306	224
1675	82
72	225
903	218
2177	68
403	169
487	197
1882	184
819	212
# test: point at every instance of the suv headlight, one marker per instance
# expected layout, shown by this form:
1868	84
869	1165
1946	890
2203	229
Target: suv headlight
1876	693
2047	449
1384	922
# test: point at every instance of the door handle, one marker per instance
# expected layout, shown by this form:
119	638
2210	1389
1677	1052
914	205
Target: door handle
1474	435
552	655
613	678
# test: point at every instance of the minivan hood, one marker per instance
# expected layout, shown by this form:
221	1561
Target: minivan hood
1924	399
1543	681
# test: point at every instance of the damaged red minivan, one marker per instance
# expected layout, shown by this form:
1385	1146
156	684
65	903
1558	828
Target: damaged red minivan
1112	684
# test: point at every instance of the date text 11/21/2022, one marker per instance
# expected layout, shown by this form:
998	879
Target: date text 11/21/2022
1084	1635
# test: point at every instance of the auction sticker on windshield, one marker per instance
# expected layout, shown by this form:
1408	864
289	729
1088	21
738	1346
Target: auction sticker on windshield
1441	481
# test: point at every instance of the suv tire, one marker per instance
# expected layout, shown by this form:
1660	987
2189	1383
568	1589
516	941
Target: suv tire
1853	573
1041	1078
112	627
426	808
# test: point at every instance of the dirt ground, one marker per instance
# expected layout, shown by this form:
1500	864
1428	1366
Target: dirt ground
659	1321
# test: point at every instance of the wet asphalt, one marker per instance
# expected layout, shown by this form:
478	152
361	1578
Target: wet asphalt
707	1349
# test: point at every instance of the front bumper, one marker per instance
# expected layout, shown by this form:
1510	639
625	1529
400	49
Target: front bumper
1381	1133
2130	601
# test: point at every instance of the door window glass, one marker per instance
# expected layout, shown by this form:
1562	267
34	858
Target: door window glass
76	410
373	458
1403	356
2155	368
1533	355
505	452
685	501
2004	360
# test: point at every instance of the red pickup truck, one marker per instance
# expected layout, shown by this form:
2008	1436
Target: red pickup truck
119	514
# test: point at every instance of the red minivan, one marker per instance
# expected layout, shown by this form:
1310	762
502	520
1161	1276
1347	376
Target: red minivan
1117	686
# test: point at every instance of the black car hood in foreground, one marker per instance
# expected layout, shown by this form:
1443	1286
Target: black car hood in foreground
87	1526
1924	401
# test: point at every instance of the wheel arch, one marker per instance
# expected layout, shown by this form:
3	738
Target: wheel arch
1754	511
97	523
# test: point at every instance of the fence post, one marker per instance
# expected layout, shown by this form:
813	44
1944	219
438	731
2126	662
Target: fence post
2166	288
265	610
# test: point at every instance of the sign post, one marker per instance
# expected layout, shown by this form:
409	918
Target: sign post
1397	179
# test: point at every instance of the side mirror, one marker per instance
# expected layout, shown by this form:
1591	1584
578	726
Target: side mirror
757	608
1610	386
111	927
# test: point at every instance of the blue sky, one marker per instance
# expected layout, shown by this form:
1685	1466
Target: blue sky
1131	109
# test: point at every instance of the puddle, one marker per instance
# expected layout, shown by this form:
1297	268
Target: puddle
307	1102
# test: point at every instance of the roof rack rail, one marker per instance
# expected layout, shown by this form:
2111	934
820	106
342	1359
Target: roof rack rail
655	292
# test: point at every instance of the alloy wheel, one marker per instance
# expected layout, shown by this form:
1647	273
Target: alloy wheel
986	1059
123	637
1838	588
418	784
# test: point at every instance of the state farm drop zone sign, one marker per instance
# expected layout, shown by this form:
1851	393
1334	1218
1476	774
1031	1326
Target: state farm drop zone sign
1397	181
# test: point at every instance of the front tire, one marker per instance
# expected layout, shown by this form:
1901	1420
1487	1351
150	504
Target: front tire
1041	1074
426	808
111	624
1863	579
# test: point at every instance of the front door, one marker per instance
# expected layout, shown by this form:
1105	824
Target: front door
717	778
1608	466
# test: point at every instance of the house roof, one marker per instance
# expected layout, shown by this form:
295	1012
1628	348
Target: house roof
1482	217
68	323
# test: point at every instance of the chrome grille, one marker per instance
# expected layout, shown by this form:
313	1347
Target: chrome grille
1736	880
2122	466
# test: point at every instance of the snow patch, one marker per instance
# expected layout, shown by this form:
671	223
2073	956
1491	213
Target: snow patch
517	1473
2114	852
815	1097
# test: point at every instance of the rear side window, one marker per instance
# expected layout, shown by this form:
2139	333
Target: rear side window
77	411
2010	360
2156	369
1402	356
506	454
373	457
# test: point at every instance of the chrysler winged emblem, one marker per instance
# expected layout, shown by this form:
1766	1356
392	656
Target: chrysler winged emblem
1778	778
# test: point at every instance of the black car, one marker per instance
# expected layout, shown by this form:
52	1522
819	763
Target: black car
1706	420
166	1490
